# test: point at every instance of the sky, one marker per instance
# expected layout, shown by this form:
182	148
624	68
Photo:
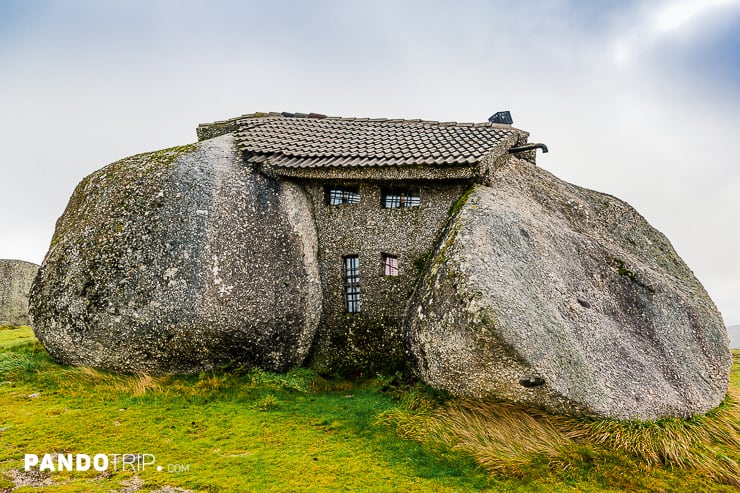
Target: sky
638	99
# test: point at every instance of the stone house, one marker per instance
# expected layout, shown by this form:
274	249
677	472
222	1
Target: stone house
361	246
381	191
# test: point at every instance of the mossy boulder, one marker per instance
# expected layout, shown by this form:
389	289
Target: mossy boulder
178	261
552	295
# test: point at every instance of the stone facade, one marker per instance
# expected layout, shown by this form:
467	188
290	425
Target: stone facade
437	160
372	339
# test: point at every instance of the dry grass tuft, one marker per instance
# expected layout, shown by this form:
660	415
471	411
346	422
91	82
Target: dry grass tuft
207	382
142	384
507	439
502	437
701	443
411	426
413	418
86	377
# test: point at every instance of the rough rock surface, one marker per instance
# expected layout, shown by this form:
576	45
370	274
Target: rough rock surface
177	261
16	277
548	294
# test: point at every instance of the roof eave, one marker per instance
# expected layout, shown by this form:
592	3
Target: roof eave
384	173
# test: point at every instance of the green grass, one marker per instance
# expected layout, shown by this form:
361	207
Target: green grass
13	336
697	454
236	431
256	431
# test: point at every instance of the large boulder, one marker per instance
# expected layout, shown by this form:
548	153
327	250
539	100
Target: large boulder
16	277
178	261
552	295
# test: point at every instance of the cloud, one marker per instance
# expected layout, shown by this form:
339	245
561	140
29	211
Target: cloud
633	99
673	16
685	40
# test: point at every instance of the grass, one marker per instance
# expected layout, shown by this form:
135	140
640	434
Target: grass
223	431
257	431
697	454
14	336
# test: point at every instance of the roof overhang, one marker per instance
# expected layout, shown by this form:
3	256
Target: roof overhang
318	147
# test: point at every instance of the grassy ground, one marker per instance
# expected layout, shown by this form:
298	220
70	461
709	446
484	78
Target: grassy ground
253	431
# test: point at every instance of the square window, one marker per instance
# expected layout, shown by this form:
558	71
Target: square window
342	195
390	265
395	199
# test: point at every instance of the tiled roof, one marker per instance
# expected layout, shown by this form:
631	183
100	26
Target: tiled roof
318	141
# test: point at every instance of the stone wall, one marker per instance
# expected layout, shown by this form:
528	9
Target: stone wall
16	277
207	131
372	339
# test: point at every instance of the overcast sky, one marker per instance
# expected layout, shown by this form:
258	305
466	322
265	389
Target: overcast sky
639	99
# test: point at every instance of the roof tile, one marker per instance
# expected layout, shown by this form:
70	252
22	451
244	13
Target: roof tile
287	141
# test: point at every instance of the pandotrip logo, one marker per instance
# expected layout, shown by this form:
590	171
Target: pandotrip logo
86	462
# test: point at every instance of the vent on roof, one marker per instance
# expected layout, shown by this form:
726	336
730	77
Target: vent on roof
501	117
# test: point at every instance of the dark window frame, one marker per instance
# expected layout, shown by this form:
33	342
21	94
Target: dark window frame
400	198
351	270
341	195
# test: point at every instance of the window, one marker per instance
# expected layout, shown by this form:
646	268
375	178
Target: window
390	265
352	283
342	195
394	199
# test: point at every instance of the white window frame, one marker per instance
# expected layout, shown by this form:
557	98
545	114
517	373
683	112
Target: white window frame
390	265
